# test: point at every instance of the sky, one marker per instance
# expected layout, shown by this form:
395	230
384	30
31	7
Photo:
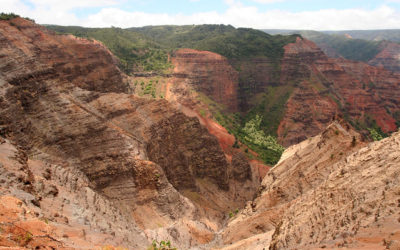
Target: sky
259	14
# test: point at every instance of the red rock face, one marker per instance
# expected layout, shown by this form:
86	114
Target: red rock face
359	89
306	113
389	57
372	91
209	73
43	56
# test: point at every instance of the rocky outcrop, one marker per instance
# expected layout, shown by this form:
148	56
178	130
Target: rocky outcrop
355	207
241	169
43	56
189	154
389	57
52	205
297	59
208	73
332	190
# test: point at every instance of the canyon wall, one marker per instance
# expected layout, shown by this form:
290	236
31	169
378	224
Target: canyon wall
97	159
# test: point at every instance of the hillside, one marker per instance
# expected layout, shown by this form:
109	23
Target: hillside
326	192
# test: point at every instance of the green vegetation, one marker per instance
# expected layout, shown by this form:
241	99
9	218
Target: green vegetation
222	39
147	48
369	124
135	52
375	135
8	16
233	213
271	107
161	245
149	86
250	130
266	146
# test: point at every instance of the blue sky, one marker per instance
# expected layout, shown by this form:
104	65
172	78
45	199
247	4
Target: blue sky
279	14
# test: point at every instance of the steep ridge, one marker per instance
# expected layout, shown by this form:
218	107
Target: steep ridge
326	87
329	191
121	164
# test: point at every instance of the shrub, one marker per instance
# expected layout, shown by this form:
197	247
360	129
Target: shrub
354	141
236	144
375	135
8	16
161	245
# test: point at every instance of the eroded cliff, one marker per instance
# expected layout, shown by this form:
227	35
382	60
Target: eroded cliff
98	164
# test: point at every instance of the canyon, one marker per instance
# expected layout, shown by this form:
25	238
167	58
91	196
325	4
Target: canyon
88	160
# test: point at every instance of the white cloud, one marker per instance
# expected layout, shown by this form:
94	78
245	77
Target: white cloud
268	1
237	15
71	4
247	16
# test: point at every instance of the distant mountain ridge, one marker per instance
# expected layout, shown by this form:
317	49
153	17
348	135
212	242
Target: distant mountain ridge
371	35
375	47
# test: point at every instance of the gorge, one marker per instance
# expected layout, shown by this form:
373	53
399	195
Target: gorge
264	142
